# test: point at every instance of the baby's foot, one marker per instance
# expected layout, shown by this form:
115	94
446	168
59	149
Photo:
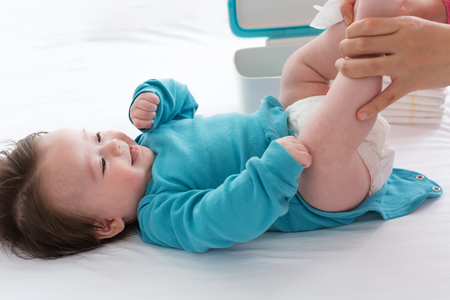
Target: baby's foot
377	8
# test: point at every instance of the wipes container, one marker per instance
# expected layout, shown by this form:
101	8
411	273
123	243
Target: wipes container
285	25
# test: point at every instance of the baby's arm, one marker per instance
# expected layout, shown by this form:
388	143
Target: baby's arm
159	101
243	207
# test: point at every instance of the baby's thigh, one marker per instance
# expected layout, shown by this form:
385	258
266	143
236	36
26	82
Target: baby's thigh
342	188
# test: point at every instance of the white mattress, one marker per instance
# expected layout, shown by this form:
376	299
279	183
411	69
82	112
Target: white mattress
76	63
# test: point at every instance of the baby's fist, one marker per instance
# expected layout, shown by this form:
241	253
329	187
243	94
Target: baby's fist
296	149
143	110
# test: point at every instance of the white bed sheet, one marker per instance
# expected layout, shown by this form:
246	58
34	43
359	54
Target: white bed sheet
76	63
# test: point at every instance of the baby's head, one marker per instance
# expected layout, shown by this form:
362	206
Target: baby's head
70	191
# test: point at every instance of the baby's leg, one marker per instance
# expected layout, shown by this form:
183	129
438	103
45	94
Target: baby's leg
338	179
308	71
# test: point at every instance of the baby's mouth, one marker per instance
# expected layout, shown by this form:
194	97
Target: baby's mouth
134	153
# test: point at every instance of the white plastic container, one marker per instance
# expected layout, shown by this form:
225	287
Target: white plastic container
285	25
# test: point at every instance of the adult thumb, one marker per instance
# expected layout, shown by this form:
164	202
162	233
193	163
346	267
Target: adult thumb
391	94
347	10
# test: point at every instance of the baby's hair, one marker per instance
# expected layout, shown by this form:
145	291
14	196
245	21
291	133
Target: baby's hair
30	227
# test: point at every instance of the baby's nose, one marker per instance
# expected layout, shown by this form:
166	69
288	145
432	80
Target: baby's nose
114	147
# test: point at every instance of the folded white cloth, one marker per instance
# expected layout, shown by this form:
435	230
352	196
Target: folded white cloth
390	112
412	120
413	98
440	93
416	107
328	15
419	107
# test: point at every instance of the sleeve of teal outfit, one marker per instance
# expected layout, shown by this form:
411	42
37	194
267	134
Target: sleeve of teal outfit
243	207
176	102
239	210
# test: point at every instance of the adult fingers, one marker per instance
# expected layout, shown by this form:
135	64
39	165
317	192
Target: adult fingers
373	26
391	94
366	67
347	10
367	46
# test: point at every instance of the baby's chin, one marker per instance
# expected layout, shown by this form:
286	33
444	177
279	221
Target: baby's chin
146	160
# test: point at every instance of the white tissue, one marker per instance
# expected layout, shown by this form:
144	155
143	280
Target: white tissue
328	15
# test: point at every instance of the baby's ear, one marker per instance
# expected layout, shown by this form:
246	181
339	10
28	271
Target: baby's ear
109	228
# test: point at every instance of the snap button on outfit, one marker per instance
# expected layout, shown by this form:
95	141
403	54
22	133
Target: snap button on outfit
420	177
436	188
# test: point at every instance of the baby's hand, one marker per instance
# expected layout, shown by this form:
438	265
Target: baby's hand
296	149
143	110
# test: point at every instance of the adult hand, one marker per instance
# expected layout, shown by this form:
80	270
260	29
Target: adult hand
416	56
410	61
143	110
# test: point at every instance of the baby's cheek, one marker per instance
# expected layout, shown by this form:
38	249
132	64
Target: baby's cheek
136	182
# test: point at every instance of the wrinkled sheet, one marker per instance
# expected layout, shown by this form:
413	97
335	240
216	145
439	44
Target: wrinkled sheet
76	63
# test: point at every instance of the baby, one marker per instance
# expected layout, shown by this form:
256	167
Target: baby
197	183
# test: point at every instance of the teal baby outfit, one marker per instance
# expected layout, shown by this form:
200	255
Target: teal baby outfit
220	180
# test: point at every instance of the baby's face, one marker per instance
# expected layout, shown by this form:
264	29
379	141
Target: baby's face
98	175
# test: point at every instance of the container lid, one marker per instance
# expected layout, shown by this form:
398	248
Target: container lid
274	19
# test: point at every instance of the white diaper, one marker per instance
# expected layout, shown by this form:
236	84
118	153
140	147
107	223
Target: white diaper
376	154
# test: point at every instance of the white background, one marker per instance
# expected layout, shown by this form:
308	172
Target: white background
66	63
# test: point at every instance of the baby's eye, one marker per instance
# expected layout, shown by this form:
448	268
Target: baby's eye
103	165
99	137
